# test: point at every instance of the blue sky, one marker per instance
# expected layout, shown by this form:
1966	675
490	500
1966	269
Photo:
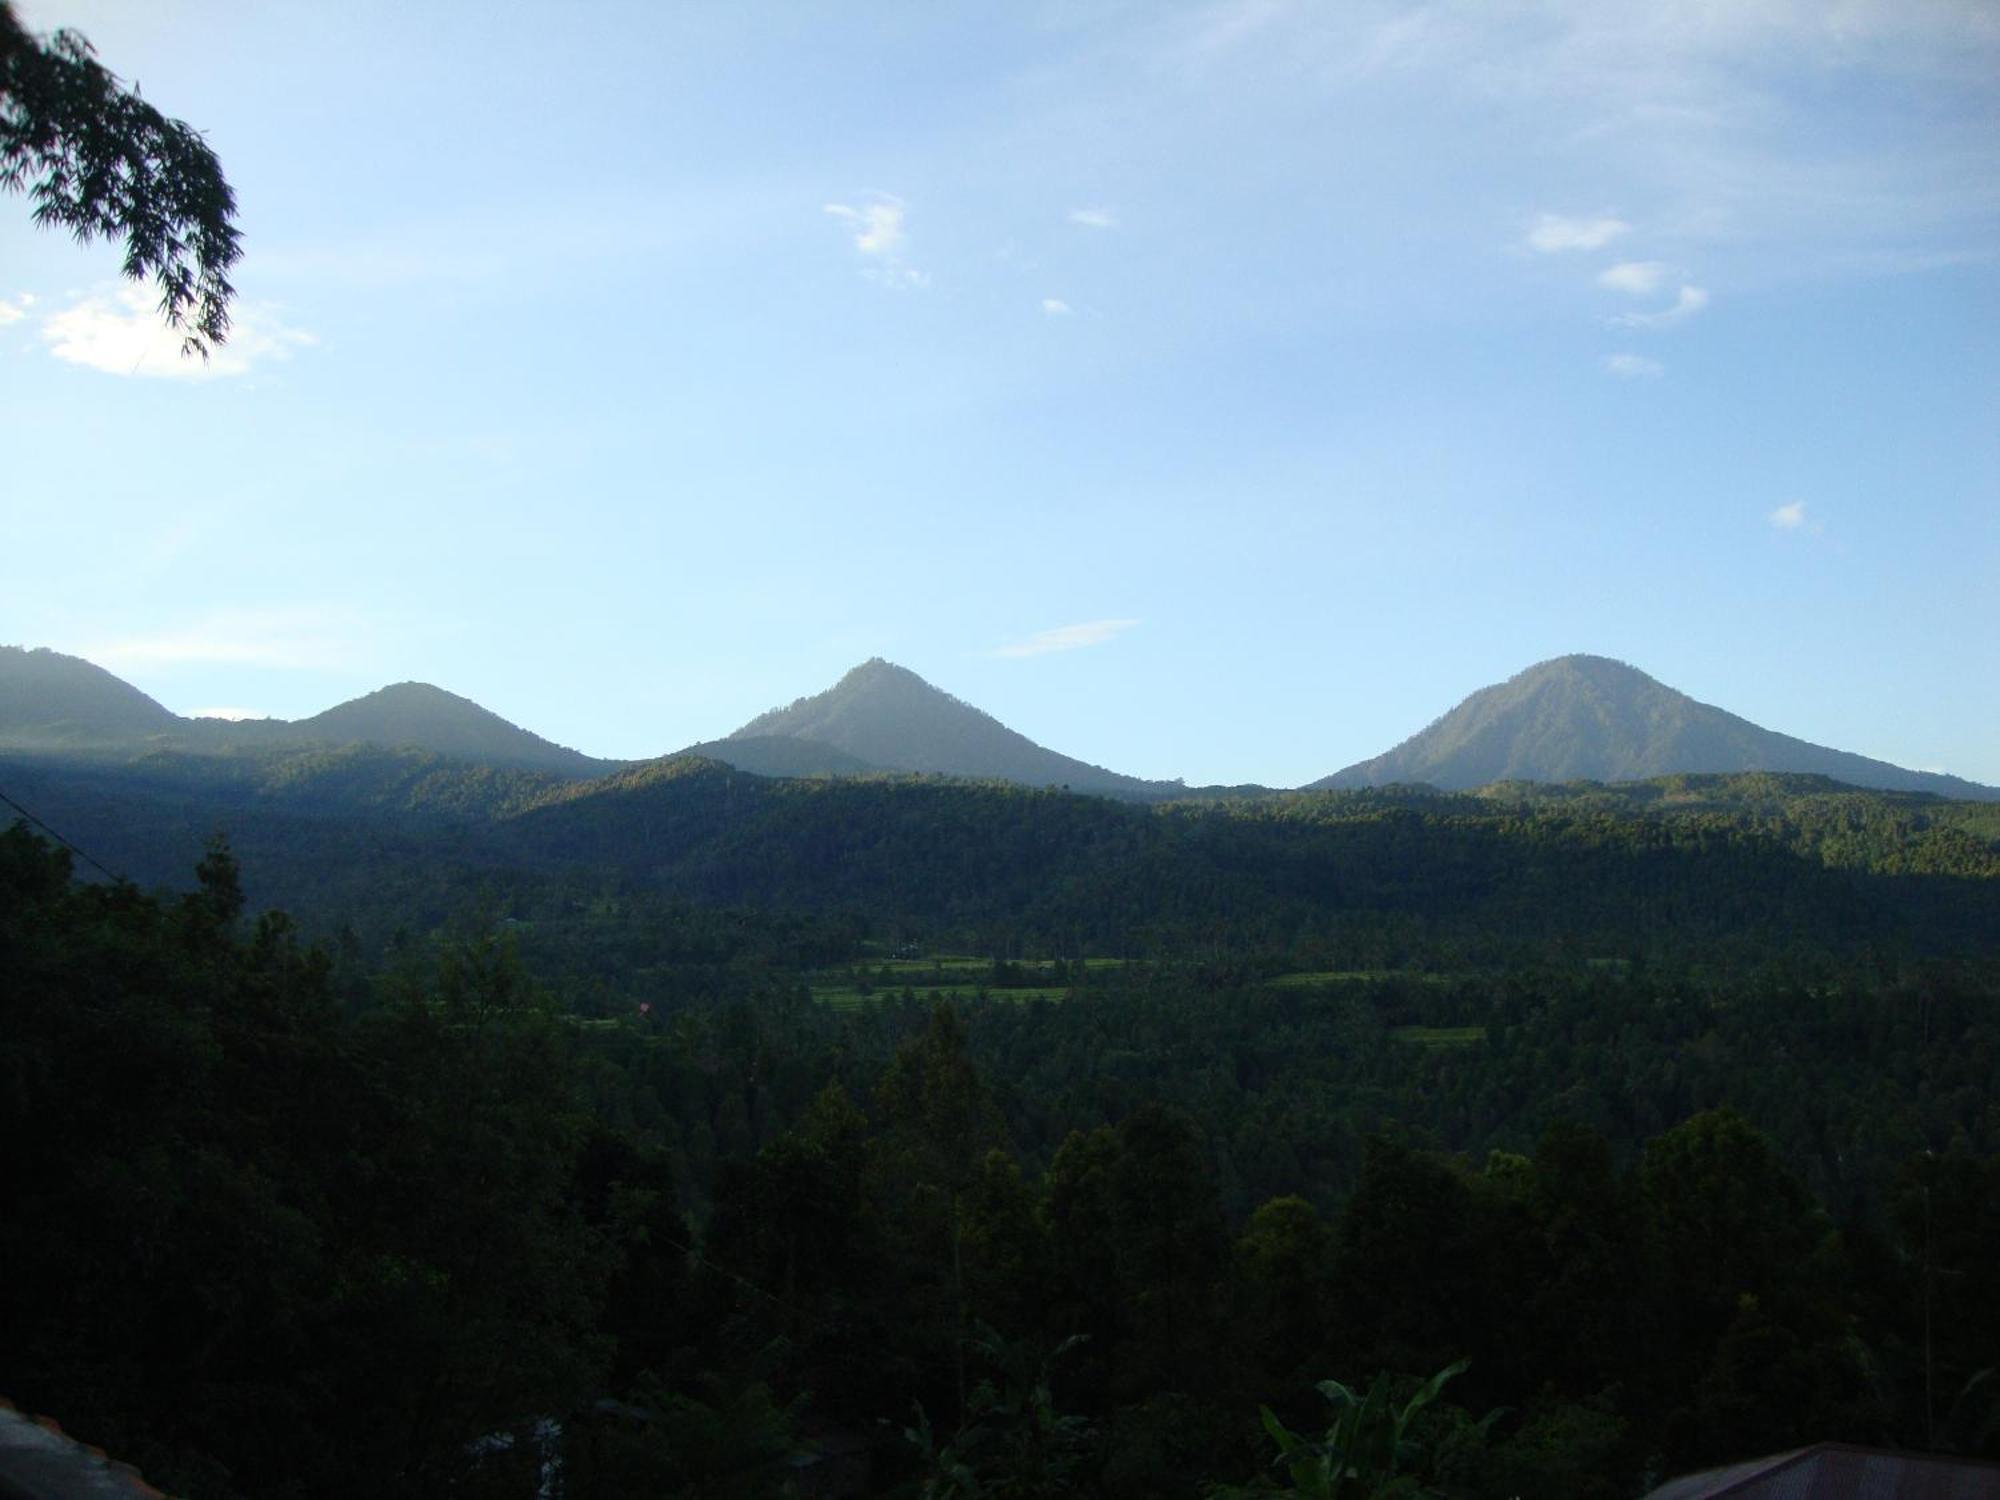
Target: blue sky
1217	391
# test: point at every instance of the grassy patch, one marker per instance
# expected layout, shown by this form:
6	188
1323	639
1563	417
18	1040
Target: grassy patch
1441	1036
951	963
847	997
1313	979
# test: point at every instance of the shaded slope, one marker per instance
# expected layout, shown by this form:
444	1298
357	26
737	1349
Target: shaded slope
888	716
429	718
395	839
781	755
1764	864
49	699
1590	718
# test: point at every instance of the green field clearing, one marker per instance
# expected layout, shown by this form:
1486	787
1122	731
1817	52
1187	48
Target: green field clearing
1441	1036
1323	978
955	963
847	997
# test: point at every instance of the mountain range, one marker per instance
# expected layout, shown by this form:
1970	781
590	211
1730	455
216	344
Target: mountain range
1573	718
53	702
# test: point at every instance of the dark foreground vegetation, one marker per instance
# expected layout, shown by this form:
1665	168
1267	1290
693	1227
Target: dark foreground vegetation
709	1136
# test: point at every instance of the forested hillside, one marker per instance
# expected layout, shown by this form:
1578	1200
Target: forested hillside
720	1134
1705	870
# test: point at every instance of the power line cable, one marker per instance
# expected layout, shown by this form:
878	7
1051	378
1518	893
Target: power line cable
81	854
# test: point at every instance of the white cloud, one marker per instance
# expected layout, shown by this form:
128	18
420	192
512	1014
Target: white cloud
1066	638
877	225
1633	367
1789	517
1553	233
302	638
1055	307
1094	218
1691	300
1639	277
121	332
15	310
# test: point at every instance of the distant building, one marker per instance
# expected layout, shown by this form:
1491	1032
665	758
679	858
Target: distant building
1840	1471
39	1461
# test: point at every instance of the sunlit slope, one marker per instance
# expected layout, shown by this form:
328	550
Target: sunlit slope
782	755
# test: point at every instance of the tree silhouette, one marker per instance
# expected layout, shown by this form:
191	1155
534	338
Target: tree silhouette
98	160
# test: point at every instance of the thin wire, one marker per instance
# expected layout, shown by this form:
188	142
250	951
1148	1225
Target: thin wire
79	853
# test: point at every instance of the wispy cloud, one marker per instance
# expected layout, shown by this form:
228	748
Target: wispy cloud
879	236
121	333
1790	517
1221	28
302	638
1554	233
1633	367
15	309
1055	307
1691	300
1094	218
1641	278
1066	638
1710	123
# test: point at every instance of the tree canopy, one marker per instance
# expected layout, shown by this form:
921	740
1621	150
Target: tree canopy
100	161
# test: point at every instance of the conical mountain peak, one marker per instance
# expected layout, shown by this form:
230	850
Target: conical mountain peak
890	717
1591	718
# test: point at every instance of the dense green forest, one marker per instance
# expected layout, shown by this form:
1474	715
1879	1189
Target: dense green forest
692	1133
1715	869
